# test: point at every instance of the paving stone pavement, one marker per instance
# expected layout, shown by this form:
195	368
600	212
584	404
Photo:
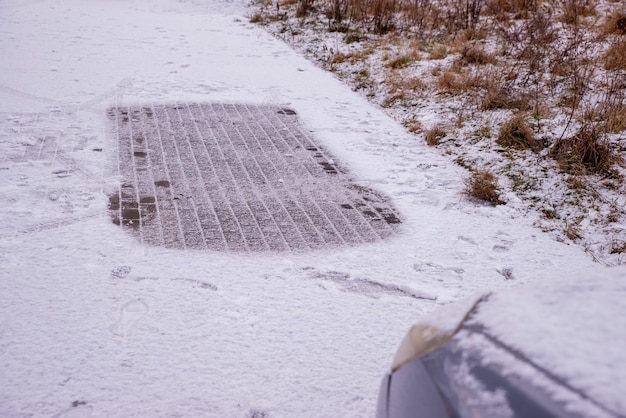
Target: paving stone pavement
237	177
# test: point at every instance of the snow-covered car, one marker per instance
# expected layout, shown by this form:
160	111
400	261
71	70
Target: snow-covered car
547	350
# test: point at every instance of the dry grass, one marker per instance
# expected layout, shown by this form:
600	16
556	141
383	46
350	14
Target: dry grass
438	51
362	79
476	55
614	23
496	92
517	134
615	56
587	152
454	82
507	9
615	117
304	8
618	247
482	184
339	57
573	10
449	80
403	61
412	124
572	231
402	88
562	64
611	109
399	82
610	113
501	97
434	135
541	58
436	71
353	56
257	18
353	36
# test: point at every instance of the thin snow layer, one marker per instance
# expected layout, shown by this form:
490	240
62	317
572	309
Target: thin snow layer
92	322
574	328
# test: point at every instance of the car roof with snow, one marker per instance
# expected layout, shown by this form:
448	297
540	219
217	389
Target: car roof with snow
557	343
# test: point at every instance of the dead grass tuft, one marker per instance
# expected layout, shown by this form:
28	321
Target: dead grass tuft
610	113
587	152
353	36
475	55
550	213
482	184
362	79
304	8
260	18
402	61
573	10
398	82
501	97
572	231
257	17
516	133
339	57
412	124
506	9
615	117
439	52
434	135
402	88
453	82
618	247
615	56
496	90
353	56
614	23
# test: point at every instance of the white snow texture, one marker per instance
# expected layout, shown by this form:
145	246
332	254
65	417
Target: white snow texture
92	323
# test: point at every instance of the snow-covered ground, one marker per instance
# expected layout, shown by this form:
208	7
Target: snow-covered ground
93	323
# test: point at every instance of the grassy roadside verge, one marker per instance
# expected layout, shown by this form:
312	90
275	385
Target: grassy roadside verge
531	92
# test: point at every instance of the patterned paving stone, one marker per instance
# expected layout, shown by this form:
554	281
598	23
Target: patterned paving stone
237	177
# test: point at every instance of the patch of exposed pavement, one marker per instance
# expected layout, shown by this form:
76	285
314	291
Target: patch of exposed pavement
237	177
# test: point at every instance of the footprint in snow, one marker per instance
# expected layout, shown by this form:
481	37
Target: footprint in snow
360	285
120	272
433	268
79	409
130	314
255	413
177	282
505	242
467	240
500	248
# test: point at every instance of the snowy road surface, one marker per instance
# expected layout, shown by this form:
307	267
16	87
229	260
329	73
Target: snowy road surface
93	323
